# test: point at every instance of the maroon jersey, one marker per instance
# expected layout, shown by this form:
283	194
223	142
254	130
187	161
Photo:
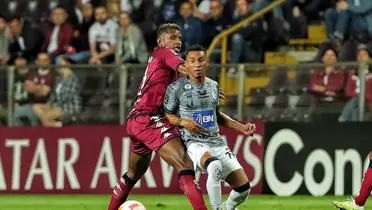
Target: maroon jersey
160	72
41	77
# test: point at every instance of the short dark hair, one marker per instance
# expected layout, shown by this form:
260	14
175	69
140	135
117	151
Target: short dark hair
364	47
166	27
187	2
194	48
16	17
4	18
100	7
59	7
218	1
125	13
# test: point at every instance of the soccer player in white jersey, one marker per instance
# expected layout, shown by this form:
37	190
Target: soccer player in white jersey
195	99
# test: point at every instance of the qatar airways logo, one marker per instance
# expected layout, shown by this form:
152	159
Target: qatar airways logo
204	118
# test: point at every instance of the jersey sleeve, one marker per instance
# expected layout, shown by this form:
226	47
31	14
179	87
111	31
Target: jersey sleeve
171	99
172	59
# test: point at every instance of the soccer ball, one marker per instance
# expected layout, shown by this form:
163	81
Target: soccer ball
132	205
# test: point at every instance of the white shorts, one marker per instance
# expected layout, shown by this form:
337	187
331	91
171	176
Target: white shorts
224	154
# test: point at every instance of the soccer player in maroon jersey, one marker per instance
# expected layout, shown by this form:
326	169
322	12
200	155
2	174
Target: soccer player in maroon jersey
360	200
149	130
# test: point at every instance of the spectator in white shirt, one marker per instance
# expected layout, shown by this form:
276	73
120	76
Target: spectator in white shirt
201	10
102	38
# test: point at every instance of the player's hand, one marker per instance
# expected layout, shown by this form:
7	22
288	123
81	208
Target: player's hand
222	94
249	129
183	70
192	126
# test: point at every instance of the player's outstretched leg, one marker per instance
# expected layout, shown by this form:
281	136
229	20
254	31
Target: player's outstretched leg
214	168
360	200
173	152
366	188
137	167
241	188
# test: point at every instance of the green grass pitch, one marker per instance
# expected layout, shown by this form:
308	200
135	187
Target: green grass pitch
157	202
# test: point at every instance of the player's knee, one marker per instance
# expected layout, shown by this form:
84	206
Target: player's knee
214	167
181	163
243	191
370	155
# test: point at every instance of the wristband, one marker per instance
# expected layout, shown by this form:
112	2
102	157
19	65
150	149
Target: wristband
179	121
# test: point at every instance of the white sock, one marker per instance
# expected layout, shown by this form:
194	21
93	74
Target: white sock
214	183
236	198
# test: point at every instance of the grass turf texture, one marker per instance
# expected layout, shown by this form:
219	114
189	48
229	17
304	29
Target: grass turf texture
154	202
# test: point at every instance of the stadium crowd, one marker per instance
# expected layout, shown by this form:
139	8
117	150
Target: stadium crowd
97	32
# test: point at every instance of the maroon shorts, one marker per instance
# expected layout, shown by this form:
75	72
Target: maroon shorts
148	133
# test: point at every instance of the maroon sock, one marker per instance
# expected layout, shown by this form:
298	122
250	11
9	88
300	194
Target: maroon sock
365	190
120	192
191	189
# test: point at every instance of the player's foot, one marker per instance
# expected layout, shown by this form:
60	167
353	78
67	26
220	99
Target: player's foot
347	205
224	207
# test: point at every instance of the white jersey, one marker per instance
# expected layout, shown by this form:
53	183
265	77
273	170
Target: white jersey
201	104
103	35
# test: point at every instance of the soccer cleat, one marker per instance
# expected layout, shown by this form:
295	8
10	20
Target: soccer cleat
224	207
347	205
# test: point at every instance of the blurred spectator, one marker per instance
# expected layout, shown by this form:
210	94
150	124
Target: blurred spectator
102	38
327	83
37	85
34	11
131	47
4	40
215	25
72	8
81	42
258	5
200	8
95	3
10	8
113	9
125	6
21	73
25	41
65	99
309	8
247	44
168	11
351	17
191	27
54	3
350	112
142	13
58	35
23	107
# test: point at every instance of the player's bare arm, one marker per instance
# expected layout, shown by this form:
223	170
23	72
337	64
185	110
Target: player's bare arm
190	125
226	121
